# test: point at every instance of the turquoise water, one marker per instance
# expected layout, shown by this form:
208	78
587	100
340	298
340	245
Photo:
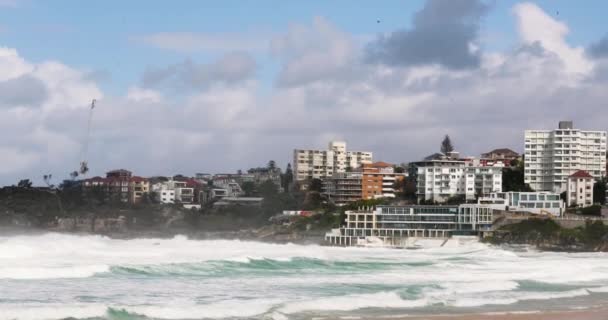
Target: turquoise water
56	276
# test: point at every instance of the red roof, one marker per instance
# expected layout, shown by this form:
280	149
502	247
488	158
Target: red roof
138	179
380	164
581	174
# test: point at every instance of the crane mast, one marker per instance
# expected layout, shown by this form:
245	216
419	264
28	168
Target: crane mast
84	165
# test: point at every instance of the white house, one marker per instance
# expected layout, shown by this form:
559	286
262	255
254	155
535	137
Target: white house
580	189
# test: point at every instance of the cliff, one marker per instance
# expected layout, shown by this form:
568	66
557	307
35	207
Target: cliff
546	234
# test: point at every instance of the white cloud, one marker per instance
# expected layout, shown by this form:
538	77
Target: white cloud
535	25
138	94
325	91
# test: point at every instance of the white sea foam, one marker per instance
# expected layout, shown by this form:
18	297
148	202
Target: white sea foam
352	302
201	279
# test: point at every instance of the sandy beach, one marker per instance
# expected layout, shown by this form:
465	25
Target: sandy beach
587	314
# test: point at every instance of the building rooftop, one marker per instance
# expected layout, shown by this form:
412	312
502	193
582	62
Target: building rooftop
581	174
379	164
504	151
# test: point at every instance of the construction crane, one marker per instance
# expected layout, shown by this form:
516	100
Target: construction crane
84	165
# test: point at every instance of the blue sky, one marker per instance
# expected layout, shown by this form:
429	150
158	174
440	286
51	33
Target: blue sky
101	36
216	86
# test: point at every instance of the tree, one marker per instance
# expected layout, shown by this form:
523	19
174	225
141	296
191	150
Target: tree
24	183
446	145
287	178
268	189
316	185
249	188
599	191
47	180
74	175
513	180
271	165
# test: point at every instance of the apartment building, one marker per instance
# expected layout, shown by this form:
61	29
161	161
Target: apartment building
370	181
119	185
440	180
580	189
183	191
344	187
378	180
320	164
551	156
139	188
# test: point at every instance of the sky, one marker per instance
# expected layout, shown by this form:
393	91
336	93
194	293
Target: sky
215	86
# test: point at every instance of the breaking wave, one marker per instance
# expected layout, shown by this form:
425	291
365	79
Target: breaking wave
56	276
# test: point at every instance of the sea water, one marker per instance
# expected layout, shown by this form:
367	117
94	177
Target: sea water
58	276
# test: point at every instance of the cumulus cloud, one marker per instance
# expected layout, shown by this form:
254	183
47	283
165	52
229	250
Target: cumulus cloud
25	91
443	32
228	119
535	25
229	69
599	49
309	53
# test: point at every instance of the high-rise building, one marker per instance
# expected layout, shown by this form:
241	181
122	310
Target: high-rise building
320	164
551	156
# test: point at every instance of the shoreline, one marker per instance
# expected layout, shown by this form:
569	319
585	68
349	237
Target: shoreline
594	313
242	235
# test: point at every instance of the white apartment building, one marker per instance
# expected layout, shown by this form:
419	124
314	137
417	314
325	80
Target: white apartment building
580	189
553	155
320	164
439	180
173	191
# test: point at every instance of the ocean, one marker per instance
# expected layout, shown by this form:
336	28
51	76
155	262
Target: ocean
59	276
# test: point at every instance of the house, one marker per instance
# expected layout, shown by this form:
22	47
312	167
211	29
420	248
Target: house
502	155
580	189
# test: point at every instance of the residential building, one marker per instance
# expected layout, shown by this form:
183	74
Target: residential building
118	185
551	156
580	189
320	164
344	187
393	225
542	203
184	191
378	180
139	189
261	175
370	181
166	196
440	180
502	155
